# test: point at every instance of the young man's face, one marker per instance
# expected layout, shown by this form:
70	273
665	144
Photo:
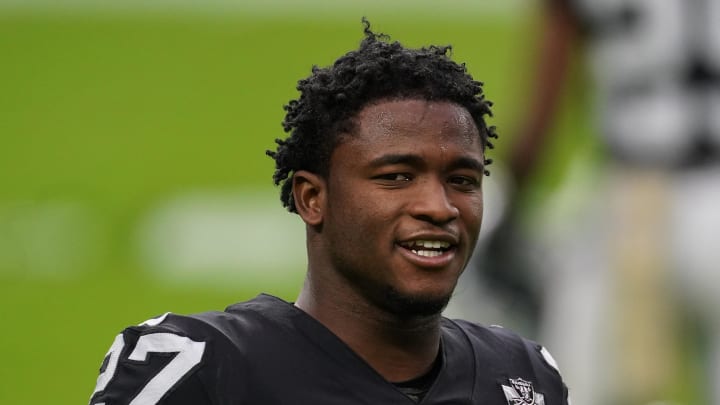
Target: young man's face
404	203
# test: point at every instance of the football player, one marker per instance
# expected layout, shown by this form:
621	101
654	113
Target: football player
384	163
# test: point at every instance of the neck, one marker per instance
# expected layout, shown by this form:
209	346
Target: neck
398	348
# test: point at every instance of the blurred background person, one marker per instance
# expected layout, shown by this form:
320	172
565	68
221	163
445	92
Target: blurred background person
620	266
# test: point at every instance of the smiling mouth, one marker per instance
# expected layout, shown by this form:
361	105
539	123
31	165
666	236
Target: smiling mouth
427	248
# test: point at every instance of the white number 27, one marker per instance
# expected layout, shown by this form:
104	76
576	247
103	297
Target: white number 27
189	354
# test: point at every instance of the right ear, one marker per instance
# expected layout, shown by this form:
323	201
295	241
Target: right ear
309	194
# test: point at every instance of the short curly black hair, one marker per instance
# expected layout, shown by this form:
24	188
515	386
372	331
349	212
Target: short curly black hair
330	97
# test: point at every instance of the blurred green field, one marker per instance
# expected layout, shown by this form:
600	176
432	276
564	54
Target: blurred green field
104	117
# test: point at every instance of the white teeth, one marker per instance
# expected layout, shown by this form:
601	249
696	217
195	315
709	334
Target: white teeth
427	253
427	248
436	244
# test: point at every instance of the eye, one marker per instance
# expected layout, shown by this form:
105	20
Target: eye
468	182
394	177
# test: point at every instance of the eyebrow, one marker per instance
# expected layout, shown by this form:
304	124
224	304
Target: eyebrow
466	162
463	162
397	159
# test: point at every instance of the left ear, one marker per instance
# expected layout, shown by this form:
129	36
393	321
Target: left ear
309	194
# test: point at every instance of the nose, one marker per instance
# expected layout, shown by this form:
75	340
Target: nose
431	203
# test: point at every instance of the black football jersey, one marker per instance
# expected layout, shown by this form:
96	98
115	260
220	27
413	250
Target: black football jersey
267	351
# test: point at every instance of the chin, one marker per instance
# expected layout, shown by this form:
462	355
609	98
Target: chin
405	305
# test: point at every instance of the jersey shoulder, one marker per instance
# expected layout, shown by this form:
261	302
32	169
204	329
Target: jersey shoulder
174	359
508	343
513	358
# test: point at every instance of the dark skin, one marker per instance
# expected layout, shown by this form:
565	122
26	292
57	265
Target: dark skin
390	230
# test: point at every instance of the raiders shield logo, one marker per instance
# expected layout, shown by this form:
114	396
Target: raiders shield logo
521	392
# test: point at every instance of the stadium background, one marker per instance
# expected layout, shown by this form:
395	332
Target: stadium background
132	167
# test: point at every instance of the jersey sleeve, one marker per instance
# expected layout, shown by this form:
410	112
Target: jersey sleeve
157	362
518	358
542	359
548	360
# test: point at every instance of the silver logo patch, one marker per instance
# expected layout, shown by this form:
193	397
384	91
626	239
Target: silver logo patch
521	392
